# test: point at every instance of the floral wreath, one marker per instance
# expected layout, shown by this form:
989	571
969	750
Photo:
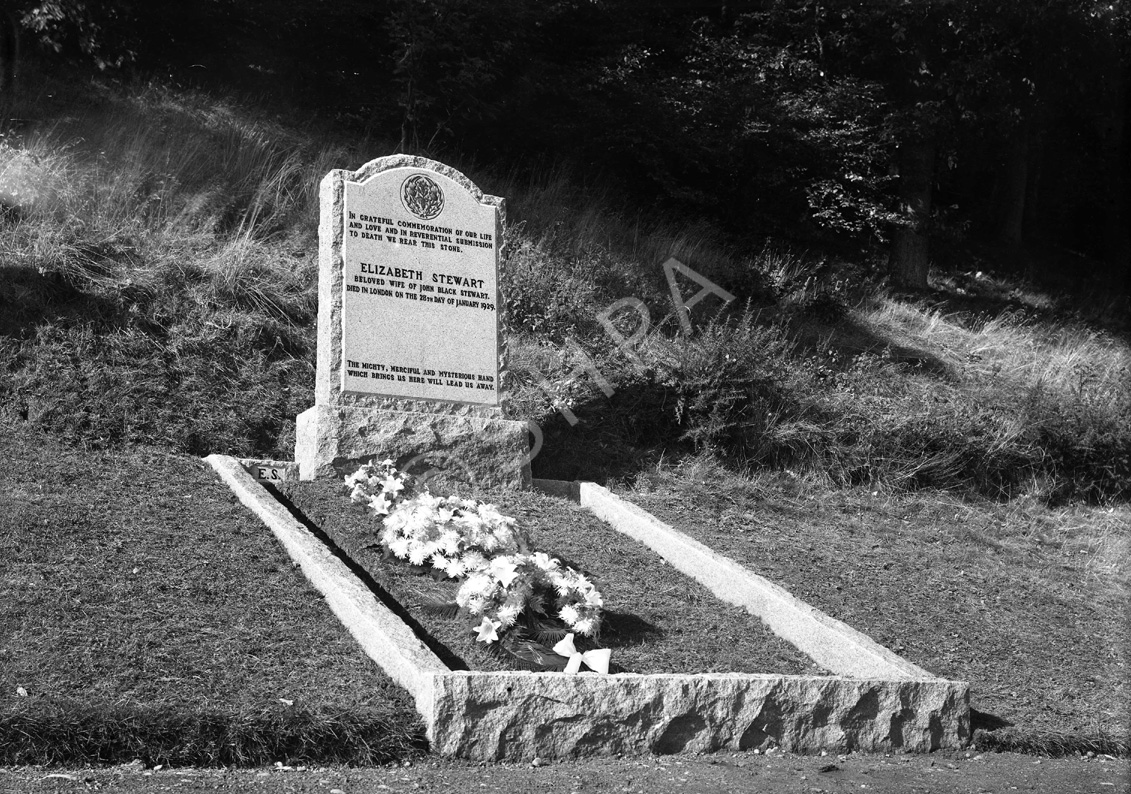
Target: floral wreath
530	605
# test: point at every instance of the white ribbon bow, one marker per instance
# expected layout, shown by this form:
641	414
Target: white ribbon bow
596	660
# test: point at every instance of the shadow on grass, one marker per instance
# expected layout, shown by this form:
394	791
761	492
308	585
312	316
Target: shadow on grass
446	656
1047	743
849	339
30	297
991	732
980	720
619	629
761	413
613	439
643	423
63	732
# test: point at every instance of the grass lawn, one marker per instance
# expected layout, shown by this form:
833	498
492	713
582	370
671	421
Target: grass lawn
1027	603
144	613
657	620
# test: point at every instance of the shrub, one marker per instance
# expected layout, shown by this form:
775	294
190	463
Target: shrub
733	392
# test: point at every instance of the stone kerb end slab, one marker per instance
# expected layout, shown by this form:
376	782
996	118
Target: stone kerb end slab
270	471
511	716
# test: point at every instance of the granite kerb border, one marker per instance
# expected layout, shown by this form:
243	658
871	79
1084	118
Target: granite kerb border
519	715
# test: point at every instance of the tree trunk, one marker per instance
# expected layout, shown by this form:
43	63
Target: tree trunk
909	259
9	53
1117	148
1011	217
1031	229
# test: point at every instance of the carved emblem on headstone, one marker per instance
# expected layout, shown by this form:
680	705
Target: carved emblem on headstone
422	197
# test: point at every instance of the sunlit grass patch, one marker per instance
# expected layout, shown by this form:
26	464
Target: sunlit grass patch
1071	359
1054	399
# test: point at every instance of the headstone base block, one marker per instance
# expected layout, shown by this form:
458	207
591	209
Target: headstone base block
487	452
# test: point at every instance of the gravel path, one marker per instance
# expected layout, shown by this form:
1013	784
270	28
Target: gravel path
938	773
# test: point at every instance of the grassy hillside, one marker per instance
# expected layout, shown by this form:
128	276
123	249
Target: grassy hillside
157	285
157	291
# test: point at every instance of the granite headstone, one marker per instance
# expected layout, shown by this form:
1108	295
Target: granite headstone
410	358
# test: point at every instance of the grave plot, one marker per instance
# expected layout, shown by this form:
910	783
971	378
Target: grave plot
656	619
411	368
872	701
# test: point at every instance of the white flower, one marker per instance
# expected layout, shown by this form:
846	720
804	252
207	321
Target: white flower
415	521
544	561
449	542
478	585
488	630
380	504
584	625
568	613
474	561
503	570
392	485
508	613
593	598
573	579
417	554
428	501
359	477
360	494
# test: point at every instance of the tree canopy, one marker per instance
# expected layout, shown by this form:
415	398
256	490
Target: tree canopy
886	125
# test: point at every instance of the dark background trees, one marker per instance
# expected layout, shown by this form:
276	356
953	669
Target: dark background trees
902	129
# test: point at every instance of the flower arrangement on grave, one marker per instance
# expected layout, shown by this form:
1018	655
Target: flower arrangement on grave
452	535
379	486
535	583
529	605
